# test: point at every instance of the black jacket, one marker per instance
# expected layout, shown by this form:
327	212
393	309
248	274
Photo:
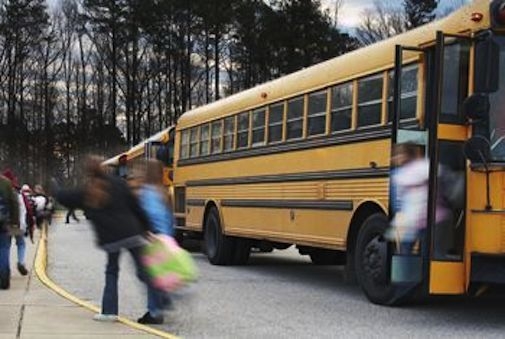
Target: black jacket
120	218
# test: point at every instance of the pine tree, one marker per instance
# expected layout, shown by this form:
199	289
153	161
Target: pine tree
419	12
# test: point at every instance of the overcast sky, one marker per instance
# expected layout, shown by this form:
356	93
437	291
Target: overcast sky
351	10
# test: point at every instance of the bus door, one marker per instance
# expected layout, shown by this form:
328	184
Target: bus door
407	269
447	84
441	135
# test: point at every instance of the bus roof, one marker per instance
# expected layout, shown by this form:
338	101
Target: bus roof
360	62
137	150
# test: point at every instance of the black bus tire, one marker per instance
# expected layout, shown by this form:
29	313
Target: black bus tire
218	246
371	261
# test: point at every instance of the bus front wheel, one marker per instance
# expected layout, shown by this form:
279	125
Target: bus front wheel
372	260
219	247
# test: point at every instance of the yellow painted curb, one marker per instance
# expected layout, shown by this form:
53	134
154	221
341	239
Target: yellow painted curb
40	270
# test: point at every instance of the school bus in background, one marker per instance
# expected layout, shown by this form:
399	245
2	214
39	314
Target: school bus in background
160	146
305	159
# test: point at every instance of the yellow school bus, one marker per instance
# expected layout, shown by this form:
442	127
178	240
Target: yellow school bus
160	146
304	160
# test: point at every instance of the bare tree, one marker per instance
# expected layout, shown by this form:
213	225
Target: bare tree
380	22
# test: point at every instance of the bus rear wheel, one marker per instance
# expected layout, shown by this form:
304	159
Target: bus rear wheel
372	261
219	247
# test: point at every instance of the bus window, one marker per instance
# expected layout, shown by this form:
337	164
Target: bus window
229	133
243	130
185	144
258	127
275	117
294	123
455	81
316	116
193	142
204	140
341	107
408	103
370	100
217	129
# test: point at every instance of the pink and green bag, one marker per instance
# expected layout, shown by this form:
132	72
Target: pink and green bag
168	265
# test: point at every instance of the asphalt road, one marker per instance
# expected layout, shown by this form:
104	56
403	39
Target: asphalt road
278	295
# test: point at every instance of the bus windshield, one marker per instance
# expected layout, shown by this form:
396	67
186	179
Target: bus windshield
497	112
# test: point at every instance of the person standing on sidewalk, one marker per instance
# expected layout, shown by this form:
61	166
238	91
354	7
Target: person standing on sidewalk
40	199
71	214
24	222
118	221
9	215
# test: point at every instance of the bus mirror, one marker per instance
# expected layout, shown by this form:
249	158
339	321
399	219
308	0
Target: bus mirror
478	150
487	69
476	106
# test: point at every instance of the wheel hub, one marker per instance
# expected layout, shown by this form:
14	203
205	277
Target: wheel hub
375	261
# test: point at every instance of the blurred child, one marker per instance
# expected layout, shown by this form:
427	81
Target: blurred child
410	183
153	200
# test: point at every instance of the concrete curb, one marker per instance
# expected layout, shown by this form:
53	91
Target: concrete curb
40	269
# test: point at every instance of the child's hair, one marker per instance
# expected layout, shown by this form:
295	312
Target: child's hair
409	149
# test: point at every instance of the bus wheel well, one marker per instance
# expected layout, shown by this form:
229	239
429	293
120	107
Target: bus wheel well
360	215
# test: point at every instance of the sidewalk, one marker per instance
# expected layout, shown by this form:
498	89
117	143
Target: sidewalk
31	308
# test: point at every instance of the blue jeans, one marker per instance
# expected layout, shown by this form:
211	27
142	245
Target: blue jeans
21	246
155	301
109	297
110	292
5	249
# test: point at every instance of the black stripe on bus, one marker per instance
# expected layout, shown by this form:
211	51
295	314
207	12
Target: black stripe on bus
362	173
195	202
344	138
342	205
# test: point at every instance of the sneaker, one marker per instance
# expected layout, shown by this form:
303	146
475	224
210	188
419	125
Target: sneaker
149	319
105	317
5	280
22	269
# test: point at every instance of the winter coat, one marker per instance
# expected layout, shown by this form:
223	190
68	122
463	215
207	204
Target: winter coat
119	223
9	198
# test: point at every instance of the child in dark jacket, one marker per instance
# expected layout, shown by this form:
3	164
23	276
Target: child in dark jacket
119	223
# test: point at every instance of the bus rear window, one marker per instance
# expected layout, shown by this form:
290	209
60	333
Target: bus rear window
184	144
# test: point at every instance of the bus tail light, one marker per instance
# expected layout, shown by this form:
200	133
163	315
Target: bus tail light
477	17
